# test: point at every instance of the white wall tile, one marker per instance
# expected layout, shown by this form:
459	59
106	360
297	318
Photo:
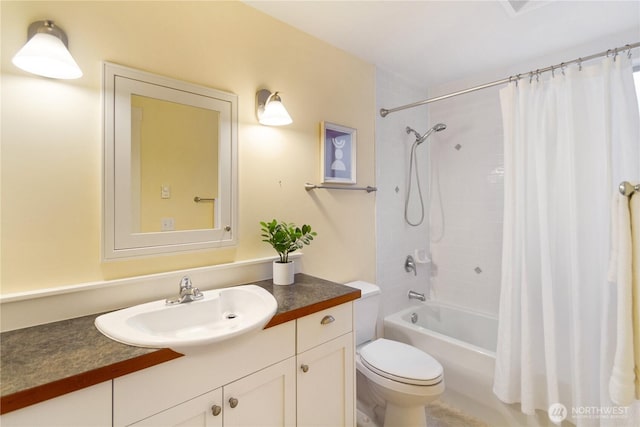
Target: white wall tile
472	197
395	239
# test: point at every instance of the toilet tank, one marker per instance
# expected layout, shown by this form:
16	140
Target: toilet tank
366	311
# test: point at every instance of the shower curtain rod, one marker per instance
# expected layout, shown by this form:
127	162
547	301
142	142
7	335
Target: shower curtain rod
384	112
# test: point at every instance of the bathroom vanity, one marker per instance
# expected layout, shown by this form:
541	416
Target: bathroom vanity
299	370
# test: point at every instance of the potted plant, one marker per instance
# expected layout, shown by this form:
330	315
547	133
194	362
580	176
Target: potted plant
285	238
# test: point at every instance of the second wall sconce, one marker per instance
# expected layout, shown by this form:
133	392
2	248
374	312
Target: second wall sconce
46	53
270	110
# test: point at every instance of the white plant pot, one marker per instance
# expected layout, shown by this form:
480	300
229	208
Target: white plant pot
283	273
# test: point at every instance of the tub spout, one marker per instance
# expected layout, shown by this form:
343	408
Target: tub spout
417	295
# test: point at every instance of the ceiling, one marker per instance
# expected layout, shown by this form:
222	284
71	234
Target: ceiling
432	42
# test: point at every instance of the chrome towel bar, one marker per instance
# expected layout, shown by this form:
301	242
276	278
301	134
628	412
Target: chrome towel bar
309	187
627	189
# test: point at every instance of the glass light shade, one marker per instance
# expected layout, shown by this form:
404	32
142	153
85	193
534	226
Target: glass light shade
46	55
275	114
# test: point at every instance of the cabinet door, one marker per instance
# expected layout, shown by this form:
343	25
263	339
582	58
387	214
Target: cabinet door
87	407
325	381
265	398
202	411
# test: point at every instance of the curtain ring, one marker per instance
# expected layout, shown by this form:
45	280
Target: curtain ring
608	51
553	72
530	77
628	46
579	64
562	67
615	54
537	76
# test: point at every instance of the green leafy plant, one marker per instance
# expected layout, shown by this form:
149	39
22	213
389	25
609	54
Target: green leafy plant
286	237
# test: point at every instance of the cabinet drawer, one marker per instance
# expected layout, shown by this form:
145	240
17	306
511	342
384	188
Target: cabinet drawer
323	326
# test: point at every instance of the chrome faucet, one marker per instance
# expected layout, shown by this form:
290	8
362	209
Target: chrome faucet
187	293
416	295
410	265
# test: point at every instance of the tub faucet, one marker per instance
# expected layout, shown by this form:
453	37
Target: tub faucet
410	265
187	293
416	295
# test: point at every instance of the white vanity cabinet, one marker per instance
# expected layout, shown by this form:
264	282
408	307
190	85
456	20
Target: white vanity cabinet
298	373
250	369
88	407
201	411
265	398
326	368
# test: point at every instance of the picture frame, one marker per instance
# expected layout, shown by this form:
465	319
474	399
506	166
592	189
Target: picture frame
337	153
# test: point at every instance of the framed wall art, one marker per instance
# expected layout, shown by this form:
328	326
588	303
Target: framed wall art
337	153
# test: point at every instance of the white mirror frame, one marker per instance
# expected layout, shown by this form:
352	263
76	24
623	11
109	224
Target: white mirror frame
119	239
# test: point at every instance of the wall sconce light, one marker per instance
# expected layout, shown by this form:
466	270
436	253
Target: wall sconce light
270	110
46	53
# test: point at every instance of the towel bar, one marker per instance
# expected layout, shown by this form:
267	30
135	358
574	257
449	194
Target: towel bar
309	186
627	189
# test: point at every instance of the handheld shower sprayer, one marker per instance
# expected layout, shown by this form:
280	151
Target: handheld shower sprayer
420	139
414	160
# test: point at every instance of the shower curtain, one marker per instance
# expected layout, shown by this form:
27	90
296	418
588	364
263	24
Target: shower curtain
569	139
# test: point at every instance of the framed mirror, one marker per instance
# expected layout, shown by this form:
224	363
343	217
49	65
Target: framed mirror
170	165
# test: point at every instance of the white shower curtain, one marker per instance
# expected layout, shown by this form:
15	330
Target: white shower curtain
568	142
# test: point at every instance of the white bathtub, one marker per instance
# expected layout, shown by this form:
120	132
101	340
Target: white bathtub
464	342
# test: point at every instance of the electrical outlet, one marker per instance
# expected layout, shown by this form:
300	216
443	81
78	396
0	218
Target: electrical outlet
168	224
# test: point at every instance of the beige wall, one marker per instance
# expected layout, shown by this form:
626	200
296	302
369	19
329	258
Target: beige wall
178	145
51	130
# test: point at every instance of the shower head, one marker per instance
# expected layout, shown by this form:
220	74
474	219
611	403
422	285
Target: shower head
420	139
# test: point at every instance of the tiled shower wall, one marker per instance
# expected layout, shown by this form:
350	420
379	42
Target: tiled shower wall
467	171
464	163
394	238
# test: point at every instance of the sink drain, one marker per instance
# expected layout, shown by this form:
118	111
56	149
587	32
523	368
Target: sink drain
231	316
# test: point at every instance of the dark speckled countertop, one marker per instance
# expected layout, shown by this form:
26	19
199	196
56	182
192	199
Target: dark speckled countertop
46	361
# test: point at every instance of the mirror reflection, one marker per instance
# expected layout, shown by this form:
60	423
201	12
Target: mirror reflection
174	162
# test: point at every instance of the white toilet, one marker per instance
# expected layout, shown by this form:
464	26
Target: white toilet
405	377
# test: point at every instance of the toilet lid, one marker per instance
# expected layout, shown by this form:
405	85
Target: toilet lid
401	362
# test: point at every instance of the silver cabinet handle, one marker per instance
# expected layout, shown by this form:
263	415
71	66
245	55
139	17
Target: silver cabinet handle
215	410
233	402
327	319
305	368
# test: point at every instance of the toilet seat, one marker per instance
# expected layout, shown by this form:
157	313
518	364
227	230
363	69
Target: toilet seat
401	362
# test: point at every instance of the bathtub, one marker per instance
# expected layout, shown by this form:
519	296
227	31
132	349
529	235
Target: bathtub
464	342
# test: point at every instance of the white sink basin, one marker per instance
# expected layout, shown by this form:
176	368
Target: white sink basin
222	314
